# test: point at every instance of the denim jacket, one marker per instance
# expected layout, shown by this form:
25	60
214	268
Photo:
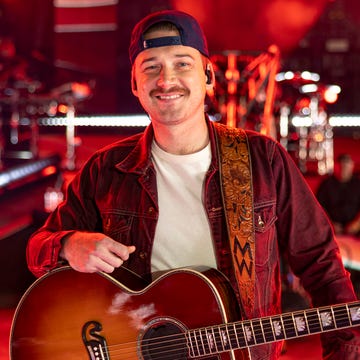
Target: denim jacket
115	193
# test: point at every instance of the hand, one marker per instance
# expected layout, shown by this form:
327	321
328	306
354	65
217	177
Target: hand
91	252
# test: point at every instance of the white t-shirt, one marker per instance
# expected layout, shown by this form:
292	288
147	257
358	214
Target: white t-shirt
182	236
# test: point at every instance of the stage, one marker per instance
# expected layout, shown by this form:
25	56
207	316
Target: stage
22	212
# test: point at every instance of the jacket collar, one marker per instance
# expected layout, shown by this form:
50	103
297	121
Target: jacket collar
139	159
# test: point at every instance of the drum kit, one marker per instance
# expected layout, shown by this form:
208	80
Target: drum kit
23	100
288	106
245	88
250	93
304	127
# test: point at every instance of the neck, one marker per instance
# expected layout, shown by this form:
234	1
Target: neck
345	178
182	139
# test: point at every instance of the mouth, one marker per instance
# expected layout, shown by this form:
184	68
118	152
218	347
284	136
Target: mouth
172	94
165	97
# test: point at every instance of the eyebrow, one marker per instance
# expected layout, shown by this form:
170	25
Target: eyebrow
153	58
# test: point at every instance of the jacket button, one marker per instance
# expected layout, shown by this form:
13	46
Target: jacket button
151	210
261	222
142	255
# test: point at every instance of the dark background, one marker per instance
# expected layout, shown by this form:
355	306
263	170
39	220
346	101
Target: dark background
302	29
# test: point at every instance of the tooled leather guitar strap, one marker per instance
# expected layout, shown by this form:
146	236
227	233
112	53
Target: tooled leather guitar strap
237	192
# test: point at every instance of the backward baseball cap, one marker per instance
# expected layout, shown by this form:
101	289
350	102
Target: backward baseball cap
190	33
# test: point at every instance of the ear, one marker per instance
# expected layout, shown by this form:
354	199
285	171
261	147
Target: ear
210	76
133	83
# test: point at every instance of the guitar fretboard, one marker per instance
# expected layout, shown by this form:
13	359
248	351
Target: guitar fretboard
243	334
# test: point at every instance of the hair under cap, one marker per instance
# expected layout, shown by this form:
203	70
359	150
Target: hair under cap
190	33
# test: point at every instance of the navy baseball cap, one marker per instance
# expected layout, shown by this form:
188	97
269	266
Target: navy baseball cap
190	33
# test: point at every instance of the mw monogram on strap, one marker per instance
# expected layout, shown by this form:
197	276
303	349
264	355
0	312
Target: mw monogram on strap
236	181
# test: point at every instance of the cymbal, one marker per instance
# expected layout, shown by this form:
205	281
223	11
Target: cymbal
298	78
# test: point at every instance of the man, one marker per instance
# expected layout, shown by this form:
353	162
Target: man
339	194
154	201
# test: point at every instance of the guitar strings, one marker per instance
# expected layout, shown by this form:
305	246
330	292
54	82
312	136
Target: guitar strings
168	346
232	336
168	349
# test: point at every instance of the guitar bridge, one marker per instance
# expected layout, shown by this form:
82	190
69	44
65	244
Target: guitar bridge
95	344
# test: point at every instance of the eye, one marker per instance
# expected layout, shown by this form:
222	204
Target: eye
150	69
183	65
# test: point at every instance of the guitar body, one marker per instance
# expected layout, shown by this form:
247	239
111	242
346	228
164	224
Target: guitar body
70	315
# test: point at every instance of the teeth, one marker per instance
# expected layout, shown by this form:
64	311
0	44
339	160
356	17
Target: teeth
168	97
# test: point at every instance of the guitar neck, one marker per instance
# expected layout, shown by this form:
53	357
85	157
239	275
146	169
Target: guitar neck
244	334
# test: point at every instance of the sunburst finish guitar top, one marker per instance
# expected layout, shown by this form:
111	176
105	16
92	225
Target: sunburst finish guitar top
182	314
72	315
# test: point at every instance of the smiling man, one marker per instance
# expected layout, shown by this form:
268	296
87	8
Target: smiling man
171	82
190	192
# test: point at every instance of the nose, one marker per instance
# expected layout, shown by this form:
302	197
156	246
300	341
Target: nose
166	77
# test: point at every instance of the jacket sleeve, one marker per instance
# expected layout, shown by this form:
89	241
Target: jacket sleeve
306	237
77	212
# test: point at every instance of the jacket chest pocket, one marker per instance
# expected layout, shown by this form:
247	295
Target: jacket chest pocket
265	232
117	226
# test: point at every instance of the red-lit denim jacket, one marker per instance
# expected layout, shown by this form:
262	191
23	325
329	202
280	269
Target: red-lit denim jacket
115	193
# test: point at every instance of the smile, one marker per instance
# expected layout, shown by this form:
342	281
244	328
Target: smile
168	97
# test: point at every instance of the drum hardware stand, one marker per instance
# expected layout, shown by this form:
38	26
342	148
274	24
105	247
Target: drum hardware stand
303	116
254	85
70	139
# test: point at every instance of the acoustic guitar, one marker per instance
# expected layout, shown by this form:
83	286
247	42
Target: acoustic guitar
182	314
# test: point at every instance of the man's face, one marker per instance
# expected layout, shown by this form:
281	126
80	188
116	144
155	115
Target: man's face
347	169
170	81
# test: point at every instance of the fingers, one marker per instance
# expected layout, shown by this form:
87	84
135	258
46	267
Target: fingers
91	252
98	264
111	254
120	250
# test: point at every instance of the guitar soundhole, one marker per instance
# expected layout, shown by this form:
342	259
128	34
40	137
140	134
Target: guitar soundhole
164	341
